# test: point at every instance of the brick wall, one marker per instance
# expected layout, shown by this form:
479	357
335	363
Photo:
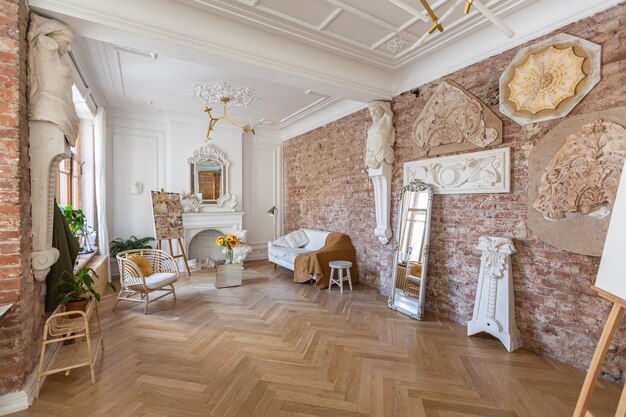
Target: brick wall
21	329
327	187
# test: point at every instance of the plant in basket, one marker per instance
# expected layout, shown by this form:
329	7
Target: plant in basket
228	242
77	289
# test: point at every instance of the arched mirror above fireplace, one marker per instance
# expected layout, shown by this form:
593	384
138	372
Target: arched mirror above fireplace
208	173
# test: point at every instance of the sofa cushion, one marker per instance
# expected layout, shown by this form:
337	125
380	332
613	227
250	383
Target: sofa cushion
295	239
286	254
160	279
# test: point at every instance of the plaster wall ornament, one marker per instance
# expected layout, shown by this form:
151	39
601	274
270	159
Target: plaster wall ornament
395	44
546	80
49	79
455	120
573	175
379	156
584	174
47	148
470	173
228	201
494	309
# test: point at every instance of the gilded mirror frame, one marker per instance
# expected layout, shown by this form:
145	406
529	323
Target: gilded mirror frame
208	153
413	186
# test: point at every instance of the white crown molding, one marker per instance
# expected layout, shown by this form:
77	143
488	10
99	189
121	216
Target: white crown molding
327	115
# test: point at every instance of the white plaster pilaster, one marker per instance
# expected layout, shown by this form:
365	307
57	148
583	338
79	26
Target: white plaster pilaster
494	310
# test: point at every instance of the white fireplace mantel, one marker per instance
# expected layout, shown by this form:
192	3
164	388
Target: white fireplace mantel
224	221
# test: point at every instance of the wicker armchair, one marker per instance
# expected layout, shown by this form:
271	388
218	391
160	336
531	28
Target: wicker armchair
137	287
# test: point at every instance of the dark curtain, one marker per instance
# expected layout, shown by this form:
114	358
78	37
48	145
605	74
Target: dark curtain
68	246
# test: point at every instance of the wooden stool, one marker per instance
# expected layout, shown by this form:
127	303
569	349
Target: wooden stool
340	266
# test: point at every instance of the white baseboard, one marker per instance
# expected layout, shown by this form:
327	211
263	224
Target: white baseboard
22	399
19	400
259	252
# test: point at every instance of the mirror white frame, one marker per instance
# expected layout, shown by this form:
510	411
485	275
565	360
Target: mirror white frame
210	153
398	300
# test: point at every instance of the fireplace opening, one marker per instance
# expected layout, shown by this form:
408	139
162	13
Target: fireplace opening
203	246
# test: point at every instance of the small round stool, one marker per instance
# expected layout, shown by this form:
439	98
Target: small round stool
340	266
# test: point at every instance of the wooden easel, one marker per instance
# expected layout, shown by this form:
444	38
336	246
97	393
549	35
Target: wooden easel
595	366
182	251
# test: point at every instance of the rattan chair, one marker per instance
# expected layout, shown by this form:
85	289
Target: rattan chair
137	287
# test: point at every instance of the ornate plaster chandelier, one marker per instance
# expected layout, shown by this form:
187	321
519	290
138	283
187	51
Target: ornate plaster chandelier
223	94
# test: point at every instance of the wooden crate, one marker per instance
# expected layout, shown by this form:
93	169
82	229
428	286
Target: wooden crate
228	275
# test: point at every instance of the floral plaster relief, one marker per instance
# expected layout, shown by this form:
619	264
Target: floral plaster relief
454	120
547	79
573	176
584	174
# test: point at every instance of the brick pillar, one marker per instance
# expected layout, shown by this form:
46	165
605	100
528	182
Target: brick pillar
21	329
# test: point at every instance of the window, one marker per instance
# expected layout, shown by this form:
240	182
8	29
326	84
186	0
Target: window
68	180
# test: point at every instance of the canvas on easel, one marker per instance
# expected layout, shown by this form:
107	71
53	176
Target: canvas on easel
611	285
167	212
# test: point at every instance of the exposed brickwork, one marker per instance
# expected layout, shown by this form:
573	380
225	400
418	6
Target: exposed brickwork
21	329
328	188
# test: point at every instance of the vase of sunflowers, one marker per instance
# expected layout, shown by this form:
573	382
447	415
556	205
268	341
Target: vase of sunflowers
228	242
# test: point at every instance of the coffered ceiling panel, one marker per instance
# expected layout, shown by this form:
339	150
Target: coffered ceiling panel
374	31
311	12
383	10
352	27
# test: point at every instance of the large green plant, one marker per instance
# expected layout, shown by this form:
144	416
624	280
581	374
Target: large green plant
78	286
75	218
120	245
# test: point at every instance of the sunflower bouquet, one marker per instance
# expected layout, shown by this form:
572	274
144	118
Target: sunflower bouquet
228	242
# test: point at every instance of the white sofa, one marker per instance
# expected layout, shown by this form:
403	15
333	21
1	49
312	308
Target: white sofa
286	257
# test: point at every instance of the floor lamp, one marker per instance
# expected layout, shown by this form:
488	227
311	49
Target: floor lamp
273	212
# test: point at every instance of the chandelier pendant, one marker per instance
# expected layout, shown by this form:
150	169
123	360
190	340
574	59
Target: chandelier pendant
224	94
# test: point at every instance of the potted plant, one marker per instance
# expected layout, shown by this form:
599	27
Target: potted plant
120	245
77	289
228	242
76	220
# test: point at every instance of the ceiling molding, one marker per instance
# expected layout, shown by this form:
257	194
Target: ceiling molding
322	117
211	34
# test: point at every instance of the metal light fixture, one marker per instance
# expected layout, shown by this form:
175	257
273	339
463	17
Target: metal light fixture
273	212
222	93
437	21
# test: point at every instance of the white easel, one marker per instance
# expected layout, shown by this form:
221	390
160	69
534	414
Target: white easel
611	285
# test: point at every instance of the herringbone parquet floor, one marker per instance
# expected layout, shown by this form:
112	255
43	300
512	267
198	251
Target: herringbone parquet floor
275	348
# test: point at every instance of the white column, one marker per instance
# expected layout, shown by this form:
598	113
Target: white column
494	310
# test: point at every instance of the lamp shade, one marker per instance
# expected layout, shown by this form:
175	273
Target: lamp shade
272	212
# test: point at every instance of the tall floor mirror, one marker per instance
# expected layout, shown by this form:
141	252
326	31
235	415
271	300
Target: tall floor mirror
408	292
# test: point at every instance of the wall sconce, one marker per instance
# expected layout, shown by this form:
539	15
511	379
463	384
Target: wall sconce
136	187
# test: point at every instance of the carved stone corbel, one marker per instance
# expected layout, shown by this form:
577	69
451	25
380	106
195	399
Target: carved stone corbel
494	310
47	148
379	156
381	179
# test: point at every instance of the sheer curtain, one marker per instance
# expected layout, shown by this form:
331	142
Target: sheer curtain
100	177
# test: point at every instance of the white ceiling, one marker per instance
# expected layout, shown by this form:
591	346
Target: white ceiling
134	79
337	48
374	31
